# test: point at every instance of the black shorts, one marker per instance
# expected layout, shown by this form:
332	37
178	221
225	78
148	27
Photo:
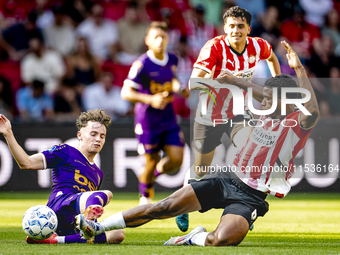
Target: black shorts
226	190
207	138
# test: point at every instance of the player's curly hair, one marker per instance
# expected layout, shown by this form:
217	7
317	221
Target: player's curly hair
157	24
282	81
236	12
95	115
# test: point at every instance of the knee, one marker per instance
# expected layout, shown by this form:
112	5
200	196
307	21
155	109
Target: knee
115	236
177	161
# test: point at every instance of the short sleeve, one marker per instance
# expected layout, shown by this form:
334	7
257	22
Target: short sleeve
208	57
56	156
265	48
134	77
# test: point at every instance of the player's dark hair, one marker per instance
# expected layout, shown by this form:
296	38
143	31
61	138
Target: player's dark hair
282	81
157	25
237	12
95	115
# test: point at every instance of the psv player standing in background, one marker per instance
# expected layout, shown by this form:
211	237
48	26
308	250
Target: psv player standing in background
238	54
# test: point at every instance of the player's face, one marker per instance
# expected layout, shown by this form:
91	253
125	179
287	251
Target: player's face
157	40
236	29
92	137
267	102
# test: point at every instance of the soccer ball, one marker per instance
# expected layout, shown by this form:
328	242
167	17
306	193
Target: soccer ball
39	222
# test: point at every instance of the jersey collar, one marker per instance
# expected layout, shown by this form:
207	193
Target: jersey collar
156	60
232	49
91	162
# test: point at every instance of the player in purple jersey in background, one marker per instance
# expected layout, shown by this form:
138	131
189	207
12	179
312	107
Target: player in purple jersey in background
150	84
75	176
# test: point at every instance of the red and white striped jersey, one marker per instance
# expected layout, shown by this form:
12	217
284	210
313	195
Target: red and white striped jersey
217	56
266	162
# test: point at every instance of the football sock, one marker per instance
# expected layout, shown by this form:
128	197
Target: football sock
77	238
199	239
97	198
115	221
144	189
61	239
156	173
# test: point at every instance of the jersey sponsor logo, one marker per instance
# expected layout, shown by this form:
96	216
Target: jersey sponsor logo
265	138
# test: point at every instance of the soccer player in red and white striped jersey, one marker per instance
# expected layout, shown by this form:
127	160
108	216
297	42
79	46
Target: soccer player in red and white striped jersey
266	162
234	52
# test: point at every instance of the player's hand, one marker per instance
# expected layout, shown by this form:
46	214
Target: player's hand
292	57
160	100
5	125
225	77
185	92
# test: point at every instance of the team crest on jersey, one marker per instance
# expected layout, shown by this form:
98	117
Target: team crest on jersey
251	59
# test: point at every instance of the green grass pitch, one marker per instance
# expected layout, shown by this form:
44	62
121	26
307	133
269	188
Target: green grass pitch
297	224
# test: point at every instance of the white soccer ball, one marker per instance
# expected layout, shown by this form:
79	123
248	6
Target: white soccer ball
39	222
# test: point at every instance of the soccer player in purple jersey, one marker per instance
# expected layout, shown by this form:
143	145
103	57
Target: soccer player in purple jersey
150	84
76	178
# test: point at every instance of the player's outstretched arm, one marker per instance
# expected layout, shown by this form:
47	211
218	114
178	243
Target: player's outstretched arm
34	162
274	65
226	77
306	121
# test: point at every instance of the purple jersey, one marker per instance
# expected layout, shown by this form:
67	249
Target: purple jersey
150	75
72	173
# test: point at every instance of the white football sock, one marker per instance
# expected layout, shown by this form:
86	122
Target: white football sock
115	221
61	239
199	239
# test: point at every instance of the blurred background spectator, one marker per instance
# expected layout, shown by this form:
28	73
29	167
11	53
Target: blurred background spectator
67	101
33	103
131	31
6	98
101	34
82	66
43	64
60	34
15	39
316	10
255	7
267	27
105	95
303	36
199	31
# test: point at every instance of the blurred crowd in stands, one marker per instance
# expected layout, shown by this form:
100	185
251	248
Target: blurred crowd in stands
60	57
